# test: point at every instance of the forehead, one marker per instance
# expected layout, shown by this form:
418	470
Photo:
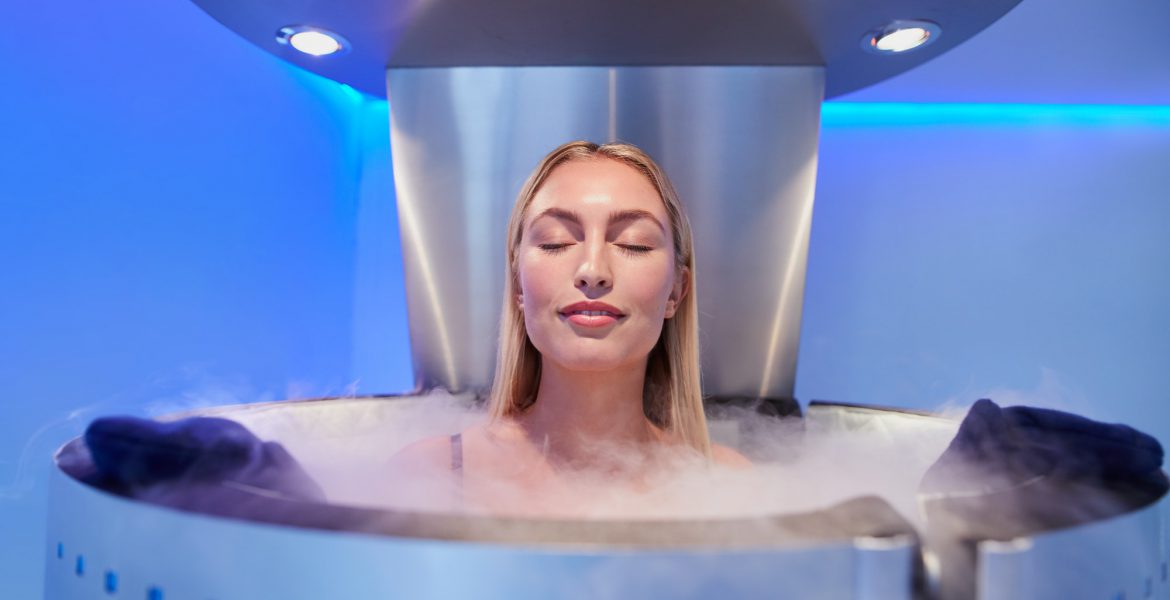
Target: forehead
594	187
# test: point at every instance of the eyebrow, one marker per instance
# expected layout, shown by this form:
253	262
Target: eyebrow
617	216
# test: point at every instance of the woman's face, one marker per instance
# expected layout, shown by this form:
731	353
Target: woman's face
597	231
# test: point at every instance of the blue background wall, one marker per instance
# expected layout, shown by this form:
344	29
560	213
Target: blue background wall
177	216
181	217
1020	253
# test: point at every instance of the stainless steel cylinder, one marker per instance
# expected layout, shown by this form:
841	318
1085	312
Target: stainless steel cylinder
740	144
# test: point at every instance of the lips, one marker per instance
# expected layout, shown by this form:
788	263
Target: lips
592	307
591	314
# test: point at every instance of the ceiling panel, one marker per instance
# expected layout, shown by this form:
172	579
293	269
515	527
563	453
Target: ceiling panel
1049	51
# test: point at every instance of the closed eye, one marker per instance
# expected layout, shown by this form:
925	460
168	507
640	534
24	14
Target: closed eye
632	250
628	249
553	248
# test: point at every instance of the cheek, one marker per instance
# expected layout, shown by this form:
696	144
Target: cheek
652	285
539	281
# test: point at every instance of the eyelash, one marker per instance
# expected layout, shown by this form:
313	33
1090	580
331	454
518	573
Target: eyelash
629	250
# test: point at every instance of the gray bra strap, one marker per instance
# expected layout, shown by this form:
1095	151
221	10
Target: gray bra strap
457	463
457	453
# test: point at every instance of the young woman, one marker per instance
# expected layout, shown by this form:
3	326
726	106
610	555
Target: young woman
597	373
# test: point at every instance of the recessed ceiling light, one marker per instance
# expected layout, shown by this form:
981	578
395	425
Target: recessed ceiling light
312	40
900	36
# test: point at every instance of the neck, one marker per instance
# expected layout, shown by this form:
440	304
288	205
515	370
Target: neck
577	411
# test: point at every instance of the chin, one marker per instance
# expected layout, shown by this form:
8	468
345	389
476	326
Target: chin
596	363
590	359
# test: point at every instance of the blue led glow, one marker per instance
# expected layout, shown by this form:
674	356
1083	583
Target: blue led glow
351	94
886	114
880	114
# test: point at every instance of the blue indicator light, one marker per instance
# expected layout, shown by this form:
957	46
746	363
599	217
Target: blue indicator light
79	567
60	550
111	582
154	594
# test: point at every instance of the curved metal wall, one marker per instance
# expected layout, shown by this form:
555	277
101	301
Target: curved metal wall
159	553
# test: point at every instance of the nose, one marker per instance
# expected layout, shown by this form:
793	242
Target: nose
594	272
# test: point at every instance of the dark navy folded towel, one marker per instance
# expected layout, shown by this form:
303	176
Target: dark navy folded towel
1017	471
131	455
998	447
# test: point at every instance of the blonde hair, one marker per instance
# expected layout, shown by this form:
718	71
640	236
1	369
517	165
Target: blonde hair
672	395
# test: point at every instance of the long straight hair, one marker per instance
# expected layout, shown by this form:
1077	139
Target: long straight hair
672	395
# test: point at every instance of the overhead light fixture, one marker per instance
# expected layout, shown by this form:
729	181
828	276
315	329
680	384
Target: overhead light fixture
312	40
901	36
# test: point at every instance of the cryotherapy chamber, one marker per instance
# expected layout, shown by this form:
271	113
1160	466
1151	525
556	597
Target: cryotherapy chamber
726	97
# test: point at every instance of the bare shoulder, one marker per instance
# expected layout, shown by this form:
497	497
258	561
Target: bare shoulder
729	457
428	454
418	477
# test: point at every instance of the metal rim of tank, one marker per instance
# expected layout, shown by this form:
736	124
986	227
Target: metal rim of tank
778	530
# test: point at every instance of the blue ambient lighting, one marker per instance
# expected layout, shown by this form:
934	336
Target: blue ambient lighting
863	114
884	114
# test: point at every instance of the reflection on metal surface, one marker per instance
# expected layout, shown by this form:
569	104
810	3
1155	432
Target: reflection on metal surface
783	325
740	144
1121	557
431	310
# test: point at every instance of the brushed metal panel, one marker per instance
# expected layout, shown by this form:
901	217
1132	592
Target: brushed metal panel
190	555
740	143
1120	557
